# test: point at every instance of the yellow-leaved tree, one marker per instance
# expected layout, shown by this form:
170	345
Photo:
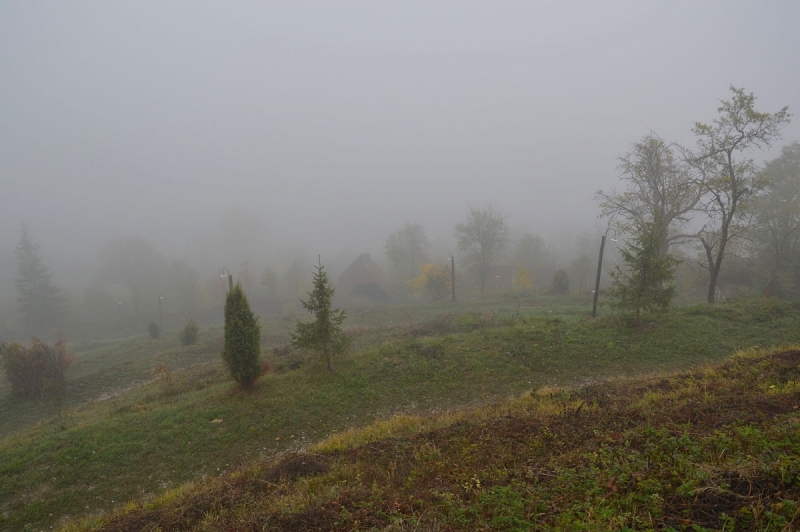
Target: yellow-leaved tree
524	279
433	280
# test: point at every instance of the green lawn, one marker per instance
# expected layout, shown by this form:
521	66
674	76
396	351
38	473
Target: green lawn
714	448
406	359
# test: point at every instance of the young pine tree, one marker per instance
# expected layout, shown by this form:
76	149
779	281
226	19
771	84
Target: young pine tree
242	338
324	334
645	284
190	332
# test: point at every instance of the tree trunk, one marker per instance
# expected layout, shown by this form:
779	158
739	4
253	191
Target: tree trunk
712	287
327	353
714	269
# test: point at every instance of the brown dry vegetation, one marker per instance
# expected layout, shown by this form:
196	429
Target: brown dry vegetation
717	448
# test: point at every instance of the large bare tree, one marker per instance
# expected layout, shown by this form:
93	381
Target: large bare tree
659	193
729	179
481	239
408	247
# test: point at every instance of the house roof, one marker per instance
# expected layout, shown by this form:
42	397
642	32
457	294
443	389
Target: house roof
364	279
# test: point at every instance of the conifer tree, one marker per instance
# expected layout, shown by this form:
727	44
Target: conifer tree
40	302
242	338
324	334
645	284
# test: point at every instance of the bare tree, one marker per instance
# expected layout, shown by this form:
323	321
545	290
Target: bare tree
408	247
729	179
659	193
481	239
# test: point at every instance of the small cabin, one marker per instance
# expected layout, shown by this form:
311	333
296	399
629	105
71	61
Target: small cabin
364	279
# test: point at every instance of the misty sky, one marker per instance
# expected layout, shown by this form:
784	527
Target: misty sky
336	122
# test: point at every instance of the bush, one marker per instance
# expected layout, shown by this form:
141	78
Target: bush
242	338
433	279
190	332
560	283
154	329
37	369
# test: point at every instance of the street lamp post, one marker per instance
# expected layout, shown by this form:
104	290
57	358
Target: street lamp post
453	278
160	325
599	266
119	306
223	272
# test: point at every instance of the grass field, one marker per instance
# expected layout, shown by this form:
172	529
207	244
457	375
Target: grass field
411	360
105	368
716	448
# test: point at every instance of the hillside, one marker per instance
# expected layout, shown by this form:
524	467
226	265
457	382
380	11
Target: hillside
161	434
716	448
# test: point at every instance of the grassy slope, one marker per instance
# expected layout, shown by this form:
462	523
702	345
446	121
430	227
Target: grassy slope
104	368
156	437
714	449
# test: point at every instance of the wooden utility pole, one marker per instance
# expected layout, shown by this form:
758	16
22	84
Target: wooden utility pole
597	281
453	278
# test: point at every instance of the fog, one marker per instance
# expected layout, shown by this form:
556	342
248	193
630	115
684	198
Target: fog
228	131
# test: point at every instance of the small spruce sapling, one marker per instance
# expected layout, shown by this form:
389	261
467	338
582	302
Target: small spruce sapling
242	345
645	284
189	333
324	334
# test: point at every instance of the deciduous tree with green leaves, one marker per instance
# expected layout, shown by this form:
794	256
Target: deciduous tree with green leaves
775	239
242	338
728	178
323	335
